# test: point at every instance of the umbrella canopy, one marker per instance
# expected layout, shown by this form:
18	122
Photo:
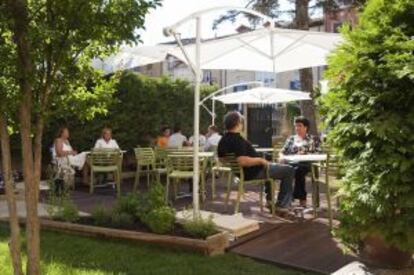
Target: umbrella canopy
263	95
132	57
266	49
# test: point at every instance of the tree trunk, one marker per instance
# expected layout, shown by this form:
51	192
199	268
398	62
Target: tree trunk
11	199
20	23
306	78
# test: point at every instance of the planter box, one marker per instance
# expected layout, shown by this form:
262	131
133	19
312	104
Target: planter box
213	245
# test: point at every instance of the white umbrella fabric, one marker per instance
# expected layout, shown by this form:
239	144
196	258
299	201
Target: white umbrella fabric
267	50
263	95
132	57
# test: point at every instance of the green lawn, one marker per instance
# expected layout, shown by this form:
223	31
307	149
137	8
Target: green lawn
68	254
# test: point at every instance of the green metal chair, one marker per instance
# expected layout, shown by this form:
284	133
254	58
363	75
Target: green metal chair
230	161
277	149
106	161
146	164
180	166
326	174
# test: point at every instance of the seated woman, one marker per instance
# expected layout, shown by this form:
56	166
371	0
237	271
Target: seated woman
106	141
66	158
301	143
162	140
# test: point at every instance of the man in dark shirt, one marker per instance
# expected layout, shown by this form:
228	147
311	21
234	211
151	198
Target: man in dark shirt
254	167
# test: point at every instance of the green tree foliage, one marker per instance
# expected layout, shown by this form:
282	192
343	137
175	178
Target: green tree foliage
370	108
141	106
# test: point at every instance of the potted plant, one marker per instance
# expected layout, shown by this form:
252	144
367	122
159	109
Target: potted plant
370	111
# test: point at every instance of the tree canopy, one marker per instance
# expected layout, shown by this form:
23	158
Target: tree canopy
370	110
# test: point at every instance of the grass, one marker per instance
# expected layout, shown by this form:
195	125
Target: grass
70	254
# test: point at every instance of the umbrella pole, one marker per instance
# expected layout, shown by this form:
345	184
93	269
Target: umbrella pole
196	163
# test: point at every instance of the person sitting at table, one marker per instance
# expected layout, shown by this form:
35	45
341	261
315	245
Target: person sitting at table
213	138
177	140
201	138
162	140
66	157
254	167
106	141
301	143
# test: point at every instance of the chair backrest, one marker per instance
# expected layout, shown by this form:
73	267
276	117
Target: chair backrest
277	149
144	156
180	162
230	161
160	156
333	165
104	157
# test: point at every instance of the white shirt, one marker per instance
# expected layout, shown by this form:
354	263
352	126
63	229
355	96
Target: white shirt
212	140
202	139
176	140
102	144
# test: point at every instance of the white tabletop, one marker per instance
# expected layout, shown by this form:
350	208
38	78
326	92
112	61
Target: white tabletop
304	158
206	154
264	150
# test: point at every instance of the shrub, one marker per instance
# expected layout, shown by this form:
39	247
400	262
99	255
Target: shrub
122	219
370	110
127	204
67	211
153	199
160	220
200	228
101	216
163	94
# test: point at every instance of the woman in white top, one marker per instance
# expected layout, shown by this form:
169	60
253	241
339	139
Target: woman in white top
66	157
106	141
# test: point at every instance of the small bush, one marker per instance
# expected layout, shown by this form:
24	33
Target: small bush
153	199
68	211
101	216
160	220
122	219
200	228
127	204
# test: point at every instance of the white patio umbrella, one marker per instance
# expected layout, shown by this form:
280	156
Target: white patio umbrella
132	57
263	95
267	49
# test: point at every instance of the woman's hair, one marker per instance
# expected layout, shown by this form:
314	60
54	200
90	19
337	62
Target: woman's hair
164	128
106	129
60	131
303	120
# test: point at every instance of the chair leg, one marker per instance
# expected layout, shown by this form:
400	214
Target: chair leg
328	197
167	186
213	184
228	189
239	194
175	187
91	183
148	176
118	183
203	187
272	192
261	197
137	174
314	199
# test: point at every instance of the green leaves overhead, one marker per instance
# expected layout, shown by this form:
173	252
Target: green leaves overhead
370	109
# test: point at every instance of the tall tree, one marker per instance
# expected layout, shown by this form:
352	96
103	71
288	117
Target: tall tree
54	42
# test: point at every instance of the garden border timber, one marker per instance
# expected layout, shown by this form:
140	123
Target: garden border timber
212	245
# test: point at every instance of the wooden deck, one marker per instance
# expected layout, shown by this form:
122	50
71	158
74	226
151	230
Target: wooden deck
306	246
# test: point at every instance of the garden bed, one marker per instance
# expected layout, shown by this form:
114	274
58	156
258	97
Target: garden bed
212	245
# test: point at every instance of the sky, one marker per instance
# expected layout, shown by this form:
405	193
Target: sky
172	11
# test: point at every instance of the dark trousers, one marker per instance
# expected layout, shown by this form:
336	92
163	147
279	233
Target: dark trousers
299	190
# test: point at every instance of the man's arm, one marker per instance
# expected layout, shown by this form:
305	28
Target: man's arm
245	161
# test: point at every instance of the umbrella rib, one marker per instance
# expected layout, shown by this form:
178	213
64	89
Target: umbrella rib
244	43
